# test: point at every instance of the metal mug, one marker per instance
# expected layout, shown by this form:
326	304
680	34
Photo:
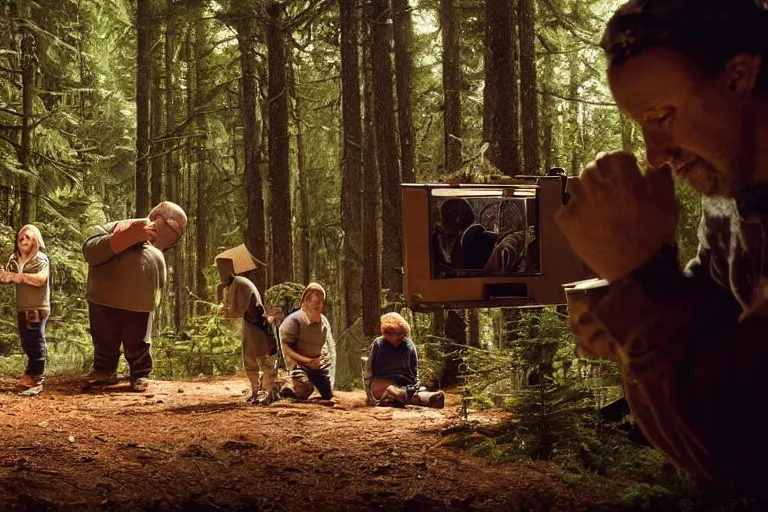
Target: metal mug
592	340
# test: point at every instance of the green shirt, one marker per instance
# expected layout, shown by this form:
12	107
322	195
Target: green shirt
131	280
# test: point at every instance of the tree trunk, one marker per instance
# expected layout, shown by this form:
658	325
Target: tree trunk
474	328
500	98
304	231
85	78
529	107
156	113
573	117
84	82
351	163
171	162
403	36
265	188
5	204
279	170
142	106
454	324
549	113
28	186
456	332
371	250
172	182
303	184
451	87
254	200
386	151
201	205
187	189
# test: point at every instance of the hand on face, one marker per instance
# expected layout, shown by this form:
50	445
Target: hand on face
616	218
703	126
141	230
165	233
149	231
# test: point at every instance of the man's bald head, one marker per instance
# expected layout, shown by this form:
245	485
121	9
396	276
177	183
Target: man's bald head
170	222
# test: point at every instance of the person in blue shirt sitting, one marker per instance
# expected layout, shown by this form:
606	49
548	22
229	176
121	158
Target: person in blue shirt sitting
392	370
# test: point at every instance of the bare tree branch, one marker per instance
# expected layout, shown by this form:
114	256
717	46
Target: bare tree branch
577	100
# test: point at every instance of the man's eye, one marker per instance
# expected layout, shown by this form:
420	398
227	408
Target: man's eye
661	118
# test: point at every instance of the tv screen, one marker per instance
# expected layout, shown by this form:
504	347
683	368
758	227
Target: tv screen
483	233
486	245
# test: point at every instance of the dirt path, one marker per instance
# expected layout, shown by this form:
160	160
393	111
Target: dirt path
196	445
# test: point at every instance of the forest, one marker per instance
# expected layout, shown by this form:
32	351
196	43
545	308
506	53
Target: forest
289	126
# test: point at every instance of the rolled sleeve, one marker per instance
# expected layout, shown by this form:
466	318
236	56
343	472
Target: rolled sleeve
96	248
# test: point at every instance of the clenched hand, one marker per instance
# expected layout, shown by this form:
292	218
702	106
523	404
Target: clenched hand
128	233
617	218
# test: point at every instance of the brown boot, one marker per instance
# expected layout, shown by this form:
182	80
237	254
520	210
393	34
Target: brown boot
393	396
27	381
435	399
253	379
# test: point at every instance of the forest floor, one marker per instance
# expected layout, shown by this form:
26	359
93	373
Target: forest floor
197	445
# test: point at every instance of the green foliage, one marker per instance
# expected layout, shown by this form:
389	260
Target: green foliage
351	344
553	417
210	346
477	169
651	497
553	396
433	351
83	156
286	296
554	405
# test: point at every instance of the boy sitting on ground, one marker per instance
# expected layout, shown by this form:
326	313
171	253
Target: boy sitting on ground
392	369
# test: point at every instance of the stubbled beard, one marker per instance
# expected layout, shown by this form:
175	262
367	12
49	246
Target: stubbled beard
710	183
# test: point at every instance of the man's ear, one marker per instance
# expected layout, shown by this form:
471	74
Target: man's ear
741	72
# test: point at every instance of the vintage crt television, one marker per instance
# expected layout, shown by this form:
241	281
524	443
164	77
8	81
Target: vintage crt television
487	245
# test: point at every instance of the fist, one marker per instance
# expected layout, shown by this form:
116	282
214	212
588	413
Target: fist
10	277
138	230
617	218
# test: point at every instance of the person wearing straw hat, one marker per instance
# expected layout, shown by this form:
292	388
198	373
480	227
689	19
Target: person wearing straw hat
238	297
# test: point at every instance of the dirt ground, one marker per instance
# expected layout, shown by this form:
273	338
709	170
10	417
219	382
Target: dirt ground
196	445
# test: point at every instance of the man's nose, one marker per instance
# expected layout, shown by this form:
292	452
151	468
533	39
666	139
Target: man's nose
659	148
